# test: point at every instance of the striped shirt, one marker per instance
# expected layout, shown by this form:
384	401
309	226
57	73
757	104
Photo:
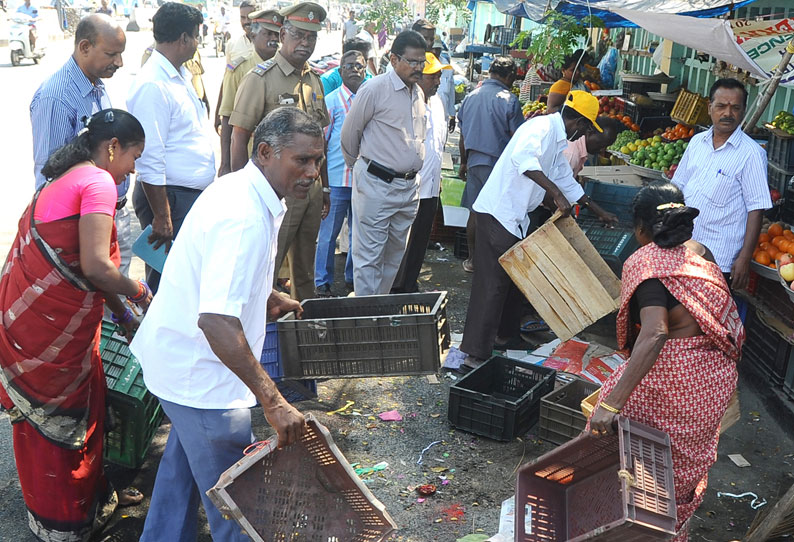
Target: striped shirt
56	111
725	184
338	104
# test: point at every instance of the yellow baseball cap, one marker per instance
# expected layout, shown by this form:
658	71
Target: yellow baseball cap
585	104
433	65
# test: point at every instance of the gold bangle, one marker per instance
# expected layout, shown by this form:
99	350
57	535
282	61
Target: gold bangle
608	408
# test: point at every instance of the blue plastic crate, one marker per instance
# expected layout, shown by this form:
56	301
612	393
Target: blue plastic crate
615	198
615	245
292	390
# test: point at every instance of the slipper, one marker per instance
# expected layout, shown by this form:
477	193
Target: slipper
471	363
532	326
468	266
129	496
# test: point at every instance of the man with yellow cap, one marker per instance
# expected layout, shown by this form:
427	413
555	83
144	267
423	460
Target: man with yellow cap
531	169
429	176
265	28
287	80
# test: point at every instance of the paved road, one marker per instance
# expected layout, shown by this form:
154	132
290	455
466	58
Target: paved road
18	86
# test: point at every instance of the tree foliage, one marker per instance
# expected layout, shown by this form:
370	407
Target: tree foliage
388	13
435	8
559	36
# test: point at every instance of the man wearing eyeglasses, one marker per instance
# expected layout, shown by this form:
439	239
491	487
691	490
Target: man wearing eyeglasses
287	80
383	141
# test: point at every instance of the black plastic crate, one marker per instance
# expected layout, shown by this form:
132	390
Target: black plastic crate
766	349
561	417
500	399
461	245
640	112
615	198
637	87
787	211
780	152
772	295
778	178
615	245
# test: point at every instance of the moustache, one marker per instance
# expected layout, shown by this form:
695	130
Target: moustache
304	183
727	119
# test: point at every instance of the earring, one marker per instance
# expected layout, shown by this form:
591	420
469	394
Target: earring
110	151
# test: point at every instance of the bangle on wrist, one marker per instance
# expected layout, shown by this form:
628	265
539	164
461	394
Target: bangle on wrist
608	408
143	293
125	318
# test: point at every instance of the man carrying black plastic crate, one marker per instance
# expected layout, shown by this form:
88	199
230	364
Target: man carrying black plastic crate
200	343
531	168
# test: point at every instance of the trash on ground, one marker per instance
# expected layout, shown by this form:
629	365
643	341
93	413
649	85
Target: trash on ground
422	453
739	460
390	416
454	358
426	490
755	504
338	410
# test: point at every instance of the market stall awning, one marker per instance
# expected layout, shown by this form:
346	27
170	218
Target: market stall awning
606	10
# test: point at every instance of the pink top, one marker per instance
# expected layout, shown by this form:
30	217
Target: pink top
576	154
84	190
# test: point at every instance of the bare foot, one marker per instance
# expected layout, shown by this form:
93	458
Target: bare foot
129	497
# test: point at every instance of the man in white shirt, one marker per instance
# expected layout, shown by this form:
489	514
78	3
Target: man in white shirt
429	178
350	28
723	174
367	34
531	168
178	161
200	343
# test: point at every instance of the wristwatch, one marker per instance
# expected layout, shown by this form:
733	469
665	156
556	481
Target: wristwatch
326	189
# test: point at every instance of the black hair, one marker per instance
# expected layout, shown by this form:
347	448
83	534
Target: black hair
248	4
571	60
669	226
279	127
730	83
100	128
503	66
173	19
350	53
408	38
422	24
357	44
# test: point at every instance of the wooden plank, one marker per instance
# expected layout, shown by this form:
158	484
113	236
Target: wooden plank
529	280
778	513
588	253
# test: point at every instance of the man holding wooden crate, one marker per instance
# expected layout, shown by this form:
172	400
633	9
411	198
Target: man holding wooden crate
200	343
531	168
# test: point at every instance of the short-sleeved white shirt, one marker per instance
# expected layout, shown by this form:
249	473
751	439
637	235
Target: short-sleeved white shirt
508	195
221	263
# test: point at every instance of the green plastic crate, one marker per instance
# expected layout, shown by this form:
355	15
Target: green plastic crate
137	412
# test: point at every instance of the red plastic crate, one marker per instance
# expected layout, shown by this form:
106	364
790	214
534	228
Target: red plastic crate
574	492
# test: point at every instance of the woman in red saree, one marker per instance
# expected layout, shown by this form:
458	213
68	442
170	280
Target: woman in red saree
62	268
679	320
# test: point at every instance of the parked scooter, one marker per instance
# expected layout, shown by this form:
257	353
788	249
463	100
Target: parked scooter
22	25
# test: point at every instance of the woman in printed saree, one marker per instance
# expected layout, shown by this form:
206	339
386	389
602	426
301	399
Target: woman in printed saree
62	268
679	321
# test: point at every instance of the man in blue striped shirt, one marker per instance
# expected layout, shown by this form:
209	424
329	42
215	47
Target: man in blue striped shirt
76	91
723	174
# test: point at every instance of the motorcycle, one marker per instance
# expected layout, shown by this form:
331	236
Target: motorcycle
22	26
220	38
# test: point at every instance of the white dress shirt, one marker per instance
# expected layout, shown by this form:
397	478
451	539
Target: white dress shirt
725	184
508	195
221	263
429	177
176	125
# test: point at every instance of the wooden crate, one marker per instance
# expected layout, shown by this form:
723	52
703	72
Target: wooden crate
560	272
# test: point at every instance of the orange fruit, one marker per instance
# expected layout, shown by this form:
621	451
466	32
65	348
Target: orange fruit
763	258
775	230
788	234
777	240
773	252
764	246
764	237
772	265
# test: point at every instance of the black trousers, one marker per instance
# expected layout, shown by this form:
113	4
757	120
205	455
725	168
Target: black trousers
180	200
407	275
495	302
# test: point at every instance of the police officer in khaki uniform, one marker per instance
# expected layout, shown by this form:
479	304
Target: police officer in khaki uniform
287	80
265	28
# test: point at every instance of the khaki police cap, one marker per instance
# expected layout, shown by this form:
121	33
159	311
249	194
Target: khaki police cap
306	16
269	18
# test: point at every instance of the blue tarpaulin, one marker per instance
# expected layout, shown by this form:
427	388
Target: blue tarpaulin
535	9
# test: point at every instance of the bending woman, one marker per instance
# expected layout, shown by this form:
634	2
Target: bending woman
681	325
62	267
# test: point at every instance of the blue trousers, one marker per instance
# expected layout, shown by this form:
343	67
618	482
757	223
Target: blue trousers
202	444
326	240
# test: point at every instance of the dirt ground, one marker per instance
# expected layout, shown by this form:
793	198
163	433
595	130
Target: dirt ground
480	472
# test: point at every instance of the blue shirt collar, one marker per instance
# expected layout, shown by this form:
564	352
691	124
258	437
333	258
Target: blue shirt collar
84	85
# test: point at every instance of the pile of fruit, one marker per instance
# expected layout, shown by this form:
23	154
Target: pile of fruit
784	121
679	131
653	153
532	109
624	138
592	86
776	243
610	105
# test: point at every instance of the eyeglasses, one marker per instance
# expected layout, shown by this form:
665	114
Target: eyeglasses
412	63
356	66
308	37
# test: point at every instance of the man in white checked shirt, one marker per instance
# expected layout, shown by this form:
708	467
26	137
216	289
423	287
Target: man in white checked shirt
723	174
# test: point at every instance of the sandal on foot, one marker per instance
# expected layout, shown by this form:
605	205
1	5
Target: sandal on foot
468	266
129	496
532	326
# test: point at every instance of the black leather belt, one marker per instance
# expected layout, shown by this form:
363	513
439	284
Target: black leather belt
387	174
120	204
